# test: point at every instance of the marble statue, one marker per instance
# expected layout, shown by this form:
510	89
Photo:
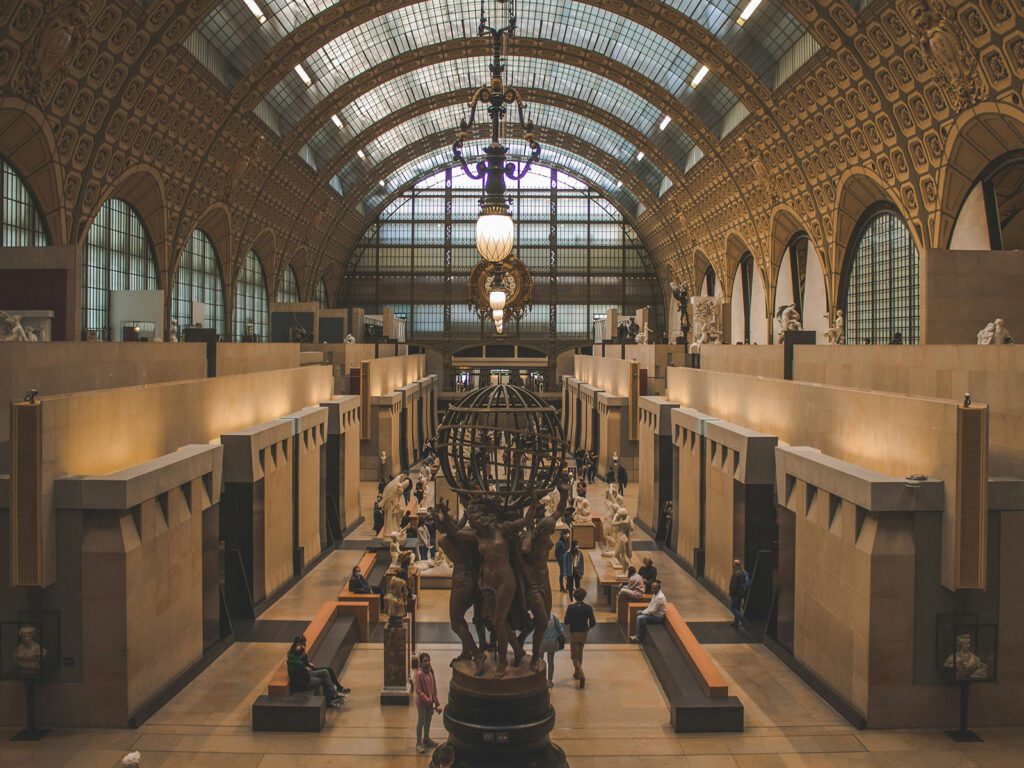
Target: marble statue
392	501
611	496
395	547
28	654
995	333
836	334
131	760
384	469
581	515
788	319
644	337
622	529
174	330
707	328
11	329
396	600
965	663
350	339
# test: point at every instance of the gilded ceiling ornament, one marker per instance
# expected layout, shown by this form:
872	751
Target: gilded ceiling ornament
948	53
54	44
765	181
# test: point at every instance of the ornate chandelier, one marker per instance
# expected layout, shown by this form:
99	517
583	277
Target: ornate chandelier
495	230
505	288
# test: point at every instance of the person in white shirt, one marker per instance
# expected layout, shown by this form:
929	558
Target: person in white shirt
654	613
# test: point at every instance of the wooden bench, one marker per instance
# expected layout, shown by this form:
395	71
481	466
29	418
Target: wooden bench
698	695
609	579
330	636
367	564
622	607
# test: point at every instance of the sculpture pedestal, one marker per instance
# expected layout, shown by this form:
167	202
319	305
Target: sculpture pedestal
501	722
397	689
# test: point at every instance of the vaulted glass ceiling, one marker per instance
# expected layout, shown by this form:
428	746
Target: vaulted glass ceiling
552	156
388	101
238	35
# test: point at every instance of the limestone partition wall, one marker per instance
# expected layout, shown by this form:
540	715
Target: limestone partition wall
654	360
384	437
571	415
749	360
342	461
309	484
590	437
962	291
387	387
258	519
138	588
688	427
235	358
60	367
655	470
346	360
614	430
739	504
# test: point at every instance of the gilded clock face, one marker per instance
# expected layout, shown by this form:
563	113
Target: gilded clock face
511	285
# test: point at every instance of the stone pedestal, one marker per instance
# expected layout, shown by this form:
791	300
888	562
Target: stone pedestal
397	689
501	723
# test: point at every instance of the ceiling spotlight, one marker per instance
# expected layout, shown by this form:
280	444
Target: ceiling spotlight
701	74
381	182
748	12
256	11
30	396
360	154
303	75
664	122
640	155
336	120
618	184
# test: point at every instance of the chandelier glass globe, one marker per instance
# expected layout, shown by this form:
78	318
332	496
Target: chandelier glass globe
495	233
497	298
498	315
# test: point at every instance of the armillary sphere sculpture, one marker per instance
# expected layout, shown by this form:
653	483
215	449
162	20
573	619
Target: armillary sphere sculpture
503	453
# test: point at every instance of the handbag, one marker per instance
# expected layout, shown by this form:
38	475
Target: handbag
561	642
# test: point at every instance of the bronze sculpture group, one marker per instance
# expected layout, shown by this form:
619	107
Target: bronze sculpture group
500	570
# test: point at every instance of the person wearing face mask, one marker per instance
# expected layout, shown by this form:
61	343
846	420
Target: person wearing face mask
424	687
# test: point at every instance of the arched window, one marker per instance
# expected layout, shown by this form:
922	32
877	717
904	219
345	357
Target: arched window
745	285
881	295
288	286
707	286
320	295
21	221
798	269
198	279
251	310
118	257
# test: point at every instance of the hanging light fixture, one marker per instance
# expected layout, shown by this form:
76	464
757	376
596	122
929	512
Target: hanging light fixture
497	298
495	230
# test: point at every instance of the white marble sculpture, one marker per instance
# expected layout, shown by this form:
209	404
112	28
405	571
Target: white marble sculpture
707	328
622	529
644	337
836	334
11	329
995	333
174	330
611	496
395	546
581	514
610	540
392	501
787	319
28	654
350	339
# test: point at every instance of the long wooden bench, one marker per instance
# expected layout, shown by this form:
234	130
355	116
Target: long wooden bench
698	694
330	636
609	579
368	565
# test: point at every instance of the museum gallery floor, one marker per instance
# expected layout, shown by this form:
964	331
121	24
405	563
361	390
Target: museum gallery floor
618	720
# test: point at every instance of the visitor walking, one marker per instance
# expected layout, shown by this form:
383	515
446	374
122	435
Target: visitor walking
738	586
574	566
622	479
579	617
553	642
425	688
561	549
654	613
378	515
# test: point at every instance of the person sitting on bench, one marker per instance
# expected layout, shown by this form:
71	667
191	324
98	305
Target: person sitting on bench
303	676
358	585
654	613
634	588
649	573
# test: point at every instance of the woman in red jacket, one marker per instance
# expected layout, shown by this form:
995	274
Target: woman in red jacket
425	689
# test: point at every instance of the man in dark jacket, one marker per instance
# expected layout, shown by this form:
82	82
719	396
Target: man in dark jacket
738	585
573	564
579	617
622	478
561	548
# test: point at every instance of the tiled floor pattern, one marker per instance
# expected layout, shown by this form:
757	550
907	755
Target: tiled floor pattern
619	720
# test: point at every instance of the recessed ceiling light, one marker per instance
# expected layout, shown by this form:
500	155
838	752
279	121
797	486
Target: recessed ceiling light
701	74
381	182
640	155
362	155
336	120
256	11
664	122
748	11
618	183
303	75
